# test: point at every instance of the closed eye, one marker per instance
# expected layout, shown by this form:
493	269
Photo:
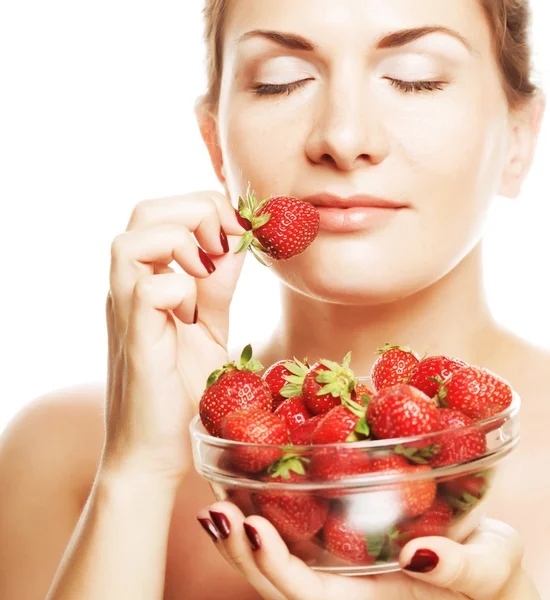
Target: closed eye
274	89
416	86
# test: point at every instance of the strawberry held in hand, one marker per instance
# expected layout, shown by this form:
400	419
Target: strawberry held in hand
234	387
281	227
254	427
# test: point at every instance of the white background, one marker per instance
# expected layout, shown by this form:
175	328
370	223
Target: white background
97	114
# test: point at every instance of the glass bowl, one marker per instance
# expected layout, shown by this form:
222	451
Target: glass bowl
356	524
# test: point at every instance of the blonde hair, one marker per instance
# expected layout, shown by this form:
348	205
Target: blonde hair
509	20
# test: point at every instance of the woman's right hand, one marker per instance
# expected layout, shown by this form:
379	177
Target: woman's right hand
159	360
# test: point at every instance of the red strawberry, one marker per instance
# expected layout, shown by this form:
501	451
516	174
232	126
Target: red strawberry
349	543
255	427
294	412
327	384
432	371
334	464
344	423
416	495
463	493
401	411
282	227
459	445
477	392
301	435
297	516
393	366
279	377
231	388
434	521
360	391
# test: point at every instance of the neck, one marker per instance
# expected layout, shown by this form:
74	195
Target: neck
450	317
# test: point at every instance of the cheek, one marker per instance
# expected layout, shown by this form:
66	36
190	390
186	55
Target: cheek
454	146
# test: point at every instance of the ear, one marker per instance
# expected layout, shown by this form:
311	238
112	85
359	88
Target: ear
525	126
208	126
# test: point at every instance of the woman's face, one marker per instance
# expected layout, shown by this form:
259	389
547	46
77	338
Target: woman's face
353	127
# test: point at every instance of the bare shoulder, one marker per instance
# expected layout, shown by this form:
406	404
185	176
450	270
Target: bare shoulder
49	454
64	427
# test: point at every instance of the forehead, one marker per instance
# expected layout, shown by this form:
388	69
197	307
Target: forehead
339	23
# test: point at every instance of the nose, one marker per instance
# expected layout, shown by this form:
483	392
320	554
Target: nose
347	133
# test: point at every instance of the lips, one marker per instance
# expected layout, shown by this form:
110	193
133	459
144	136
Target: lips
325	200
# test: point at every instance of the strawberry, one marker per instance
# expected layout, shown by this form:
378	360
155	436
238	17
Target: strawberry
362	390
297	516
477	392
415	495
294	412
279	377
459	445
393	366
281	227
401	411
301	435
434	521
346	541
231	388
463	493
344	423
334	464
431	372
254	427
327	384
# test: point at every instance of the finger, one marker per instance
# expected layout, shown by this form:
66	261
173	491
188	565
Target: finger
203	213
232	543
479	568
135	254
153	296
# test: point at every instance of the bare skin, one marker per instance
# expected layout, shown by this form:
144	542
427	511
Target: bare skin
421	282
49	502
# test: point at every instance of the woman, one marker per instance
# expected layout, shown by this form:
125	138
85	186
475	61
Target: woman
425	104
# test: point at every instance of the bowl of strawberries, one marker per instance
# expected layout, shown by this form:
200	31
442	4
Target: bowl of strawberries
350	468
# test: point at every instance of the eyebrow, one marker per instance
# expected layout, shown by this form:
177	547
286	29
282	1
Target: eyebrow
395	39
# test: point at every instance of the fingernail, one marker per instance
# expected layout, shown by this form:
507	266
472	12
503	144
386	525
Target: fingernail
205	259
210	529
253	536
222	523
423	561
196	317
223	240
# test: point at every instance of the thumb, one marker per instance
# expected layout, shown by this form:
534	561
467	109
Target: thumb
479	568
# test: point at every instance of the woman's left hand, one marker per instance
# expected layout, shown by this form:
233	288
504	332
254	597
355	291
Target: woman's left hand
485	567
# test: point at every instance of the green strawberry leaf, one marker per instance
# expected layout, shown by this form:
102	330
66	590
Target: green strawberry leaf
294	379
213	377
291	390
347	360
246	240
366	399
246	355
330	364
297	368
362	427
375	544
260	221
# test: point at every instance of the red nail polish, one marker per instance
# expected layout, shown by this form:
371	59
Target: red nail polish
224	241
253	536
423	561
210	529
205	259
222	523
196	317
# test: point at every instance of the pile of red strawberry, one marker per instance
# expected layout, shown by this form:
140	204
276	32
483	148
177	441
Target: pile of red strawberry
294	410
